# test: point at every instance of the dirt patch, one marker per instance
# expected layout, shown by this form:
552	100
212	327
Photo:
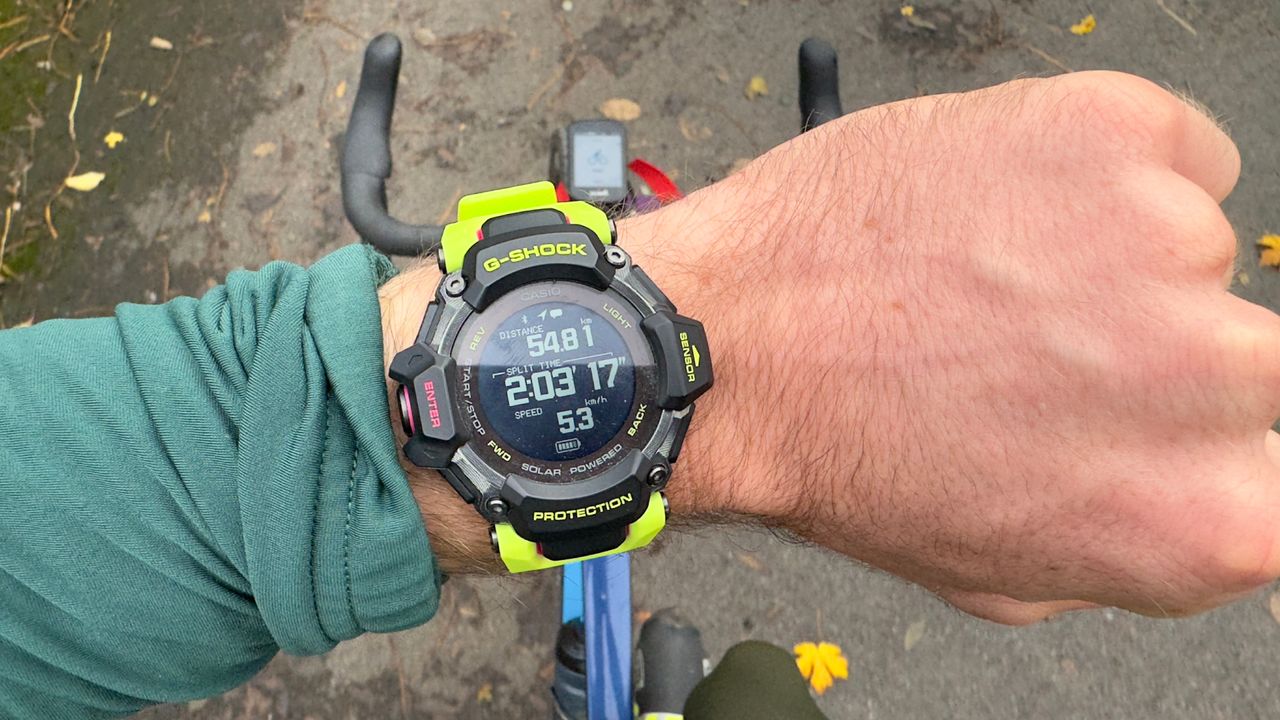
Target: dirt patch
961	32
180	111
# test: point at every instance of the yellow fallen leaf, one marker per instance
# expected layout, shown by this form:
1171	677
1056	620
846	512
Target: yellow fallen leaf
915	633
1270	256
264	149
908	10
756	87
85	182
340	91
485	693
160	43
152	100
620	109
820	664
1085	26
113	139
205	217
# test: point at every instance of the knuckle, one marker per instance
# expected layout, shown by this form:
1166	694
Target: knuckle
1118	106
1243	552
1250	348
1168	211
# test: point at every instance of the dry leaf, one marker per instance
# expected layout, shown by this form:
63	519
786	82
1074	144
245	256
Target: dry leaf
24	324
264	149
152	100
340	91
113	138
1274	603
915	632
908	10
756	87
1085	26
1243	279
620	109
751	561
821	663
160	43
1270	256
739	164
424	36
691	129
205	217
485	693
85	182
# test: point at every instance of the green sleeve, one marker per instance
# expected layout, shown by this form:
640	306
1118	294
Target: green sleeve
187	488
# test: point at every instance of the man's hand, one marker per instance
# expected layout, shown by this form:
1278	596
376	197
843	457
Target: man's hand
982	341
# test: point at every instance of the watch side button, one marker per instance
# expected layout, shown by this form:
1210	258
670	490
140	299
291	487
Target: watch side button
684	372
460	484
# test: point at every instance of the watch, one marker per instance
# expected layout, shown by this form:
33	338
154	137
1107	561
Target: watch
551	382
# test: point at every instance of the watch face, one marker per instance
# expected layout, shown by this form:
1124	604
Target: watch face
559	378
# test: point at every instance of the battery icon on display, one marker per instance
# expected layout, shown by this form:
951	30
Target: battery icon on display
564	446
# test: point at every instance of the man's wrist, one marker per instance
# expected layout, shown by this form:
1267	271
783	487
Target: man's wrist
684	248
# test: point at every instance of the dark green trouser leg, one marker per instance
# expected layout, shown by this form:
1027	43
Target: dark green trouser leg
754	681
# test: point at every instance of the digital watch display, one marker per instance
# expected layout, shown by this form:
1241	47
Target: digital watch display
551	383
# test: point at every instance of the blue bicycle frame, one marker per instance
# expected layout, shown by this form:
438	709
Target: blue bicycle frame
599	592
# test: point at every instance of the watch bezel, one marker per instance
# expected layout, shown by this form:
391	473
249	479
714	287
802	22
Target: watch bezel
630	473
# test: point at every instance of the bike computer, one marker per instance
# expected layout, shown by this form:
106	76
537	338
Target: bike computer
595	168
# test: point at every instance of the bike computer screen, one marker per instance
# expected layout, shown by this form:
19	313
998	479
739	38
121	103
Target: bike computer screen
556	372
597	154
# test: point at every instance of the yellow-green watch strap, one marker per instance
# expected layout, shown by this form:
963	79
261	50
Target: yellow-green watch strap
520	555
474	210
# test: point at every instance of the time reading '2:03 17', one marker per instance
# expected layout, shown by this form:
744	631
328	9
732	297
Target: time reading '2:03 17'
552	383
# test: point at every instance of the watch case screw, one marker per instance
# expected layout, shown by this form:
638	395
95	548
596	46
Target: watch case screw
496	507
454	285
658	476
615	256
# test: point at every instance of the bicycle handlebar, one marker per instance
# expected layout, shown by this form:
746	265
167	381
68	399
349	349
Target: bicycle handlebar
366	157
819	84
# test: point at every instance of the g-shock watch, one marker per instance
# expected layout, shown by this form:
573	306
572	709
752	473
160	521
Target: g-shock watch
551	383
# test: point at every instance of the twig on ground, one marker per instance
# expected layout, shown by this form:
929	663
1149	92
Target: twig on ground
555	76
18	46
1176	17
1047	57
102	60
404	685
75	103
14	21
48	218
4	238
317	17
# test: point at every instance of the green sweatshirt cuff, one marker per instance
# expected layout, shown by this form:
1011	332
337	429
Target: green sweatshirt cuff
188	487
334	540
